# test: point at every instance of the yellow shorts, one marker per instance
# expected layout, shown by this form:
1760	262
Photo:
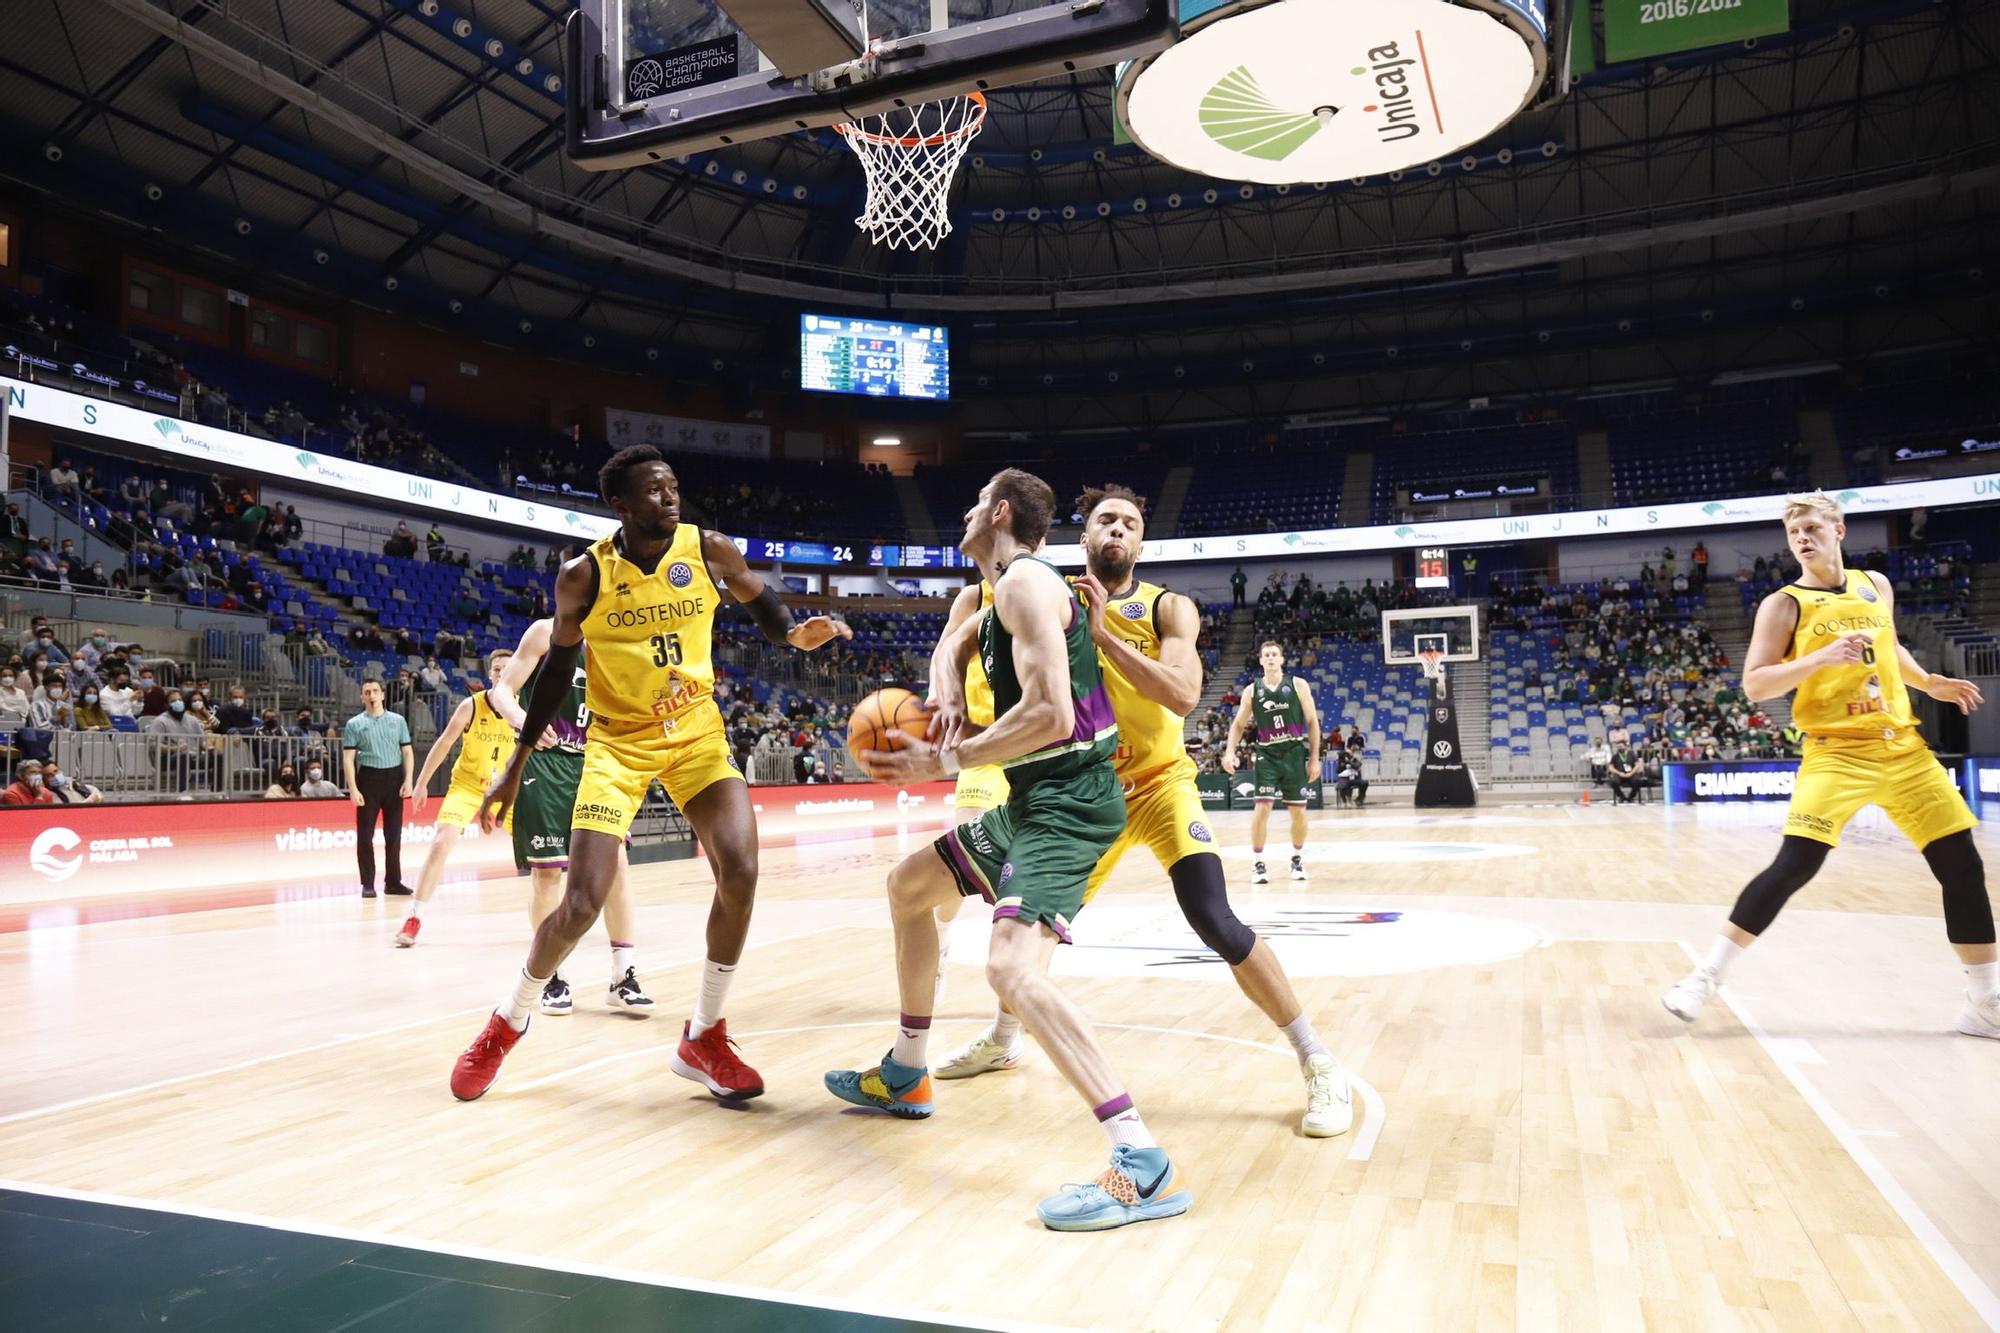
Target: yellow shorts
1838	777
981	788
688	754
461	805
1164	814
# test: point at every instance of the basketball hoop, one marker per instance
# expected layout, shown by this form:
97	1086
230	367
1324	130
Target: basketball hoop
1432	661
908	156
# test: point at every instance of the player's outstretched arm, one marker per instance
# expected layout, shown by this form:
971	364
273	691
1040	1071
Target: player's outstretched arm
948	662
461	718
505	695
1174	681
1962	694
576	589
773	619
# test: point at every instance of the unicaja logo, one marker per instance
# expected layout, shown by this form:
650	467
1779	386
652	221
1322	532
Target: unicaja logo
46	854
1401	90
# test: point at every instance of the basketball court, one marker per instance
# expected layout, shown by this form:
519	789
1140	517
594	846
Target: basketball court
1537	1142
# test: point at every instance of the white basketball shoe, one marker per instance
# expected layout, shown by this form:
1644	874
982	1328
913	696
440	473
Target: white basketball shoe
981	1055
1329	1099
1980	1018
1685	1000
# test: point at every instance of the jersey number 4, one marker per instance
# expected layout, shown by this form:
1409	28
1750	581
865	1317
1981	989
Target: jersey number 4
666	650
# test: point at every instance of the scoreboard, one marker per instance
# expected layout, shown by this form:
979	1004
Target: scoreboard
876	358
1433	567
835	554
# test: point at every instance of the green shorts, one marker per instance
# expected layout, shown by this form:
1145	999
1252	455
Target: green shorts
1281	774
1032	857
542	814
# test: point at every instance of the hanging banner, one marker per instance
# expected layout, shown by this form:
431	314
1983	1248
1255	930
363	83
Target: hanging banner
685	435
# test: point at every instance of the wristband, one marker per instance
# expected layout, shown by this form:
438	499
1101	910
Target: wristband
948	761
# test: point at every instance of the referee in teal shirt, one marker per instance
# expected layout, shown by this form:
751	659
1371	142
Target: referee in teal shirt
376	753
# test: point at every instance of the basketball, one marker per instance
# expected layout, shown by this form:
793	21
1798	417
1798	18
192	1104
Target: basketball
880	720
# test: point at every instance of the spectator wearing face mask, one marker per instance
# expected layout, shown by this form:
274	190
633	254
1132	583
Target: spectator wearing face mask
117	697
52	698
28	787
285	786
235	714
315	783
42	639
199	710
90	714
69	790
13	699
180	740
151	697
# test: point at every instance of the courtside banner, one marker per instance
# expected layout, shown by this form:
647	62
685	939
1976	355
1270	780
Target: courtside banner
52	853
1743	780
57	853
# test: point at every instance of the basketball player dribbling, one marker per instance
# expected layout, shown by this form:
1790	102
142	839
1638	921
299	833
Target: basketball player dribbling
1146	644
1831	636
644	598
1054	733
1278	710
487	738
541	821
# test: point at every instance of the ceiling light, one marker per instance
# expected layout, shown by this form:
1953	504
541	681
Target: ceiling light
494	48
461	28
886	441
524	67
428	8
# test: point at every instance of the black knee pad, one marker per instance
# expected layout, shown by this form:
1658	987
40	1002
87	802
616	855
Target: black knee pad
1203	893
1968	913
1798	860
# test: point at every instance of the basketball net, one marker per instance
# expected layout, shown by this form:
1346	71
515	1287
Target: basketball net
1432	661
908	157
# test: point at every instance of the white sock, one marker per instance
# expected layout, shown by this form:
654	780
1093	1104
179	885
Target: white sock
1985	979
621	958
1304	1040
527	992
1121	1121
714	992
416	908
913	1038
1721	955
1006	1028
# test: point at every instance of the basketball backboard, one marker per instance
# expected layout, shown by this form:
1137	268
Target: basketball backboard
1451	630
650	80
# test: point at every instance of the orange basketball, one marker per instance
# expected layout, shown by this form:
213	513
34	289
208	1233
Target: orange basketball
880	721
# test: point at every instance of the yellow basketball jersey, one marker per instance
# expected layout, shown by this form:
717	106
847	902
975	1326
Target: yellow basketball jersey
650	634
978	689
1866	699
1150	745
487	742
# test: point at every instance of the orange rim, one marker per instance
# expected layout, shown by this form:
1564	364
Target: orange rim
971	126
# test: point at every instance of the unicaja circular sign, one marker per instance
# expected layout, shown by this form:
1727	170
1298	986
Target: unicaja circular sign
1298	91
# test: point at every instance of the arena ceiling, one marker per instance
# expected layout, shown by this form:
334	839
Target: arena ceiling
1822	194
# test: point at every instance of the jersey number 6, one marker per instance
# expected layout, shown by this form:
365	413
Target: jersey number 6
666	650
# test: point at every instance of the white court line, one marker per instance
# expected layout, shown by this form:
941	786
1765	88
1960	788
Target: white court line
1361	1148
1781	1050
741	1291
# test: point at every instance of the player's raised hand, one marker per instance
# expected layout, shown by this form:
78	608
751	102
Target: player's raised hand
810	634
1095	599
498	803
911	761
1951	690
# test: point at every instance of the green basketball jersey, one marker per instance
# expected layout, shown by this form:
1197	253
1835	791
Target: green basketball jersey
1278	714
572	716
1095	735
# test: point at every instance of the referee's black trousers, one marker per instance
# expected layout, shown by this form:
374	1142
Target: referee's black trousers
381	794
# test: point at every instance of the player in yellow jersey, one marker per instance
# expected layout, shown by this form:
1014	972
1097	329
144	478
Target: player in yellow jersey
488	741
1832	637
1146	645
985	787
644	597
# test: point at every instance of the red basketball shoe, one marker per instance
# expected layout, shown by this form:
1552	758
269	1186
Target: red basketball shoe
408	934
708	1060
479	1065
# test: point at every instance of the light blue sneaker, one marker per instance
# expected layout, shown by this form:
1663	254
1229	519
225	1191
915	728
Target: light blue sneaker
1138	1187
898	1089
